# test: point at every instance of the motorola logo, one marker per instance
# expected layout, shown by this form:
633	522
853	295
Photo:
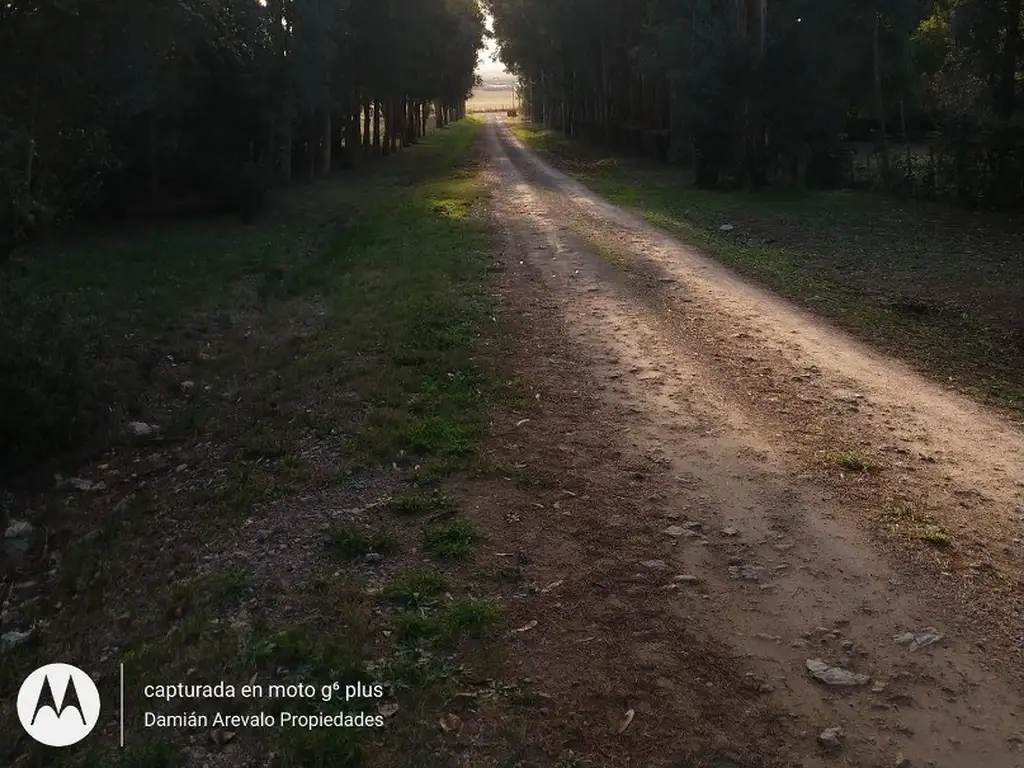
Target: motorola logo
58	705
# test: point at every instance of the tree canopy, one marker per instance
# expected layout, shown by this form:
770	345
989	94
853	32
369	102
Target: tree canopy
753	90
106	103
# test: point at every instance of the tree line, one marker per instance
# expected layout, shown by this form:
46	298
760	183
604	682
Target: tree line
758	91
106	105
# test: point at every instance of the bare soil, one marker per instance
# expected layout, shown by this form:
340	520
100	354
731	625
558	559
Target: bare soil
724	489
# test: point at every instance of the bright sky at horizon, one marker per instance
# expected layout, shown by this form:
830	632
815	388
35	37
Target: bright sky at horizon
487	63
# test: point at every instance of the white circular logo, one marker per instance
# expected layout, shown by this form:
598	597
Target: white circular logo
58	705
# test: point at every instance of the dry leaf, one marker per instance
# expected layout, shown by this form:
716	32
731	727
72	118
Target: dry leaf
625	721
522	421
450	723
221	737
528	627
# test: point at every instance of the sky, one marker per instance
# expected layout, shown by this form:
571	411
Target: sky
487	63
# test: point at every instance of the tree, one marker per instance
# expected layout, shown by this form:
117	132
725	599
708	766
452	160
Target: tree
105	104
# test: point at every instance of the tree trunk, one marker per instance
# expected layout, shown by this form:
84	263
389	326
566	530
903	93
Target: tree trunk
366	123
1011	54
376	128
880	99
325	141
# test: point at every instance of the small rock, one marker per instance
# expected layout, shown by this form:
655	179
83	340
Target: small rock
373	557
142	429
18	529
658	565
903	762
746	572
11	640
878	687
831	738
730	532
676	531
835	675
922	638
188	386
847	645
80	484
726	228
686	578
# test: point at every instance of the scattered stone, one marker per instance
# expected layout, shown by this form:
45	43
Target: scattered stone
835	675
746	572
11	640
686	578
188	386
676	531
81	484
878	687
142	429
658	565
18	529
831	738
730	532
726	228
373	557
922	638
847	645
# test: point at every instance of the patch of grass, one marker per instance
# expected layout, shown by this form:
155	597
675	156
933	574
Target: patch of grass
462	617
415	588
452	540
351	542
908	522
420	504
337	335
231	584
936	285
936	537
416	667
851	462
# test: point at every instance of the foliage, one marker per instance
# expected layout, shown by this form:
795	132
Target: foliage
747	91
107	104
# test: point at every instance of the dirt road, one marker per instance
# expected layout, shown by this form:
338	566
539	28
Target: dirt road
714	532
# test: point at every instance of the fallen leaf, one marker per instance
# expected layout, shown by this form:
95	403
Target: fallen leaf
528	627
522	421
626	720
450	723
221	737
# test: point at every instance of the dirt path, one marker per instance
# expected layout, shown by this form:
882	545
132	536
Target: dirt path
703	408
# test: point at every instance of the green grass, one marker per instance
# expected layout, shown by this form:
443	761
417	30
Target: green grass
446	624
416	588
909	523
937	286
350	542
420	504
851	462
326	342
452	540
